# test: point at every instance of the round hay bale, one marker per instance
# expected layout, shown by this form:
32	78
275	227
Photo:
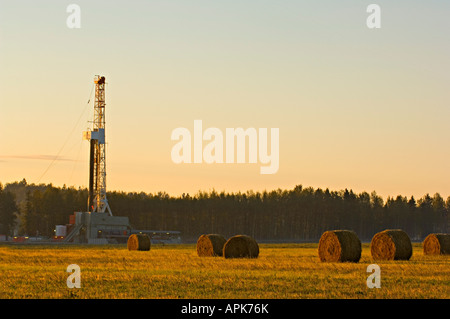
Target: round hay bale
339	246
437	244
210	245
391	244
139	242
241	246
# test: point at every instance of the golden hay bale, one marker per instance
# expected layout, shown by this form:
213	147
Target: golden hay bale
241	246
437	244
139	242
391	244
210	245
339	246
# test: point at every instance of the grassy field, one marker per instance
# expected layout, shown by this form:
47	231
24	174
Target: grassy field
282	271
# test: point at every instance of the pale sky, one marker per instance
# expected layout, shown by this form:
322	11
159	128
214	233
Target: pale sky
357	108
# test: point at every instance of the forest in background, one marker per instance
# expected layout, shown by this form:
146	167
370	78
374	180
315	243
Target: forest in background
299	214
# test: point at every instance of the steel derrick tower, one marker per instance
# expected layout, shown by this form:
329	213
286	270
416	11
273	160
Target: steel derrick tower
97	201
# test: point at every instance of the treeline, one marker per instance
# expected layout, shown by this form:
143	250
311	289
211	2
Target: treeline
300	214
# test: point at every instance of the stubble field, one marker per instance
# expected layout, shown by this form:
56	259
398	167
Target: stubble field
282	271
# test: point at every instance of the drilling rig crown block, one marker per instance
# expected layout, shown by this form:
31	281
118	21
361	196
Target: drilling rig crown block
100	80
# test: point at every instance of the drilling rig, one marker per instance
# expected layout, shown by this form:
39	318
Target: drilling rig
97	201
97	225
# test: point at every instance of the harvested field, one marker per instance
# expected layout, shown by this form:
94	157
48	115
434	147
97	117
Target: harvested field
281	271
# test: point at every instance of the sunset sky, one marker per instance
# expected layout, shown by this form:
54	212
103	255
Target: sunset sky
357	108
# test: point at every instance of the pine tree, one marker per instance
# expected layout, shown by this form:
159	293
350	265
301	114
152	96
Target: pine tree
8	211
